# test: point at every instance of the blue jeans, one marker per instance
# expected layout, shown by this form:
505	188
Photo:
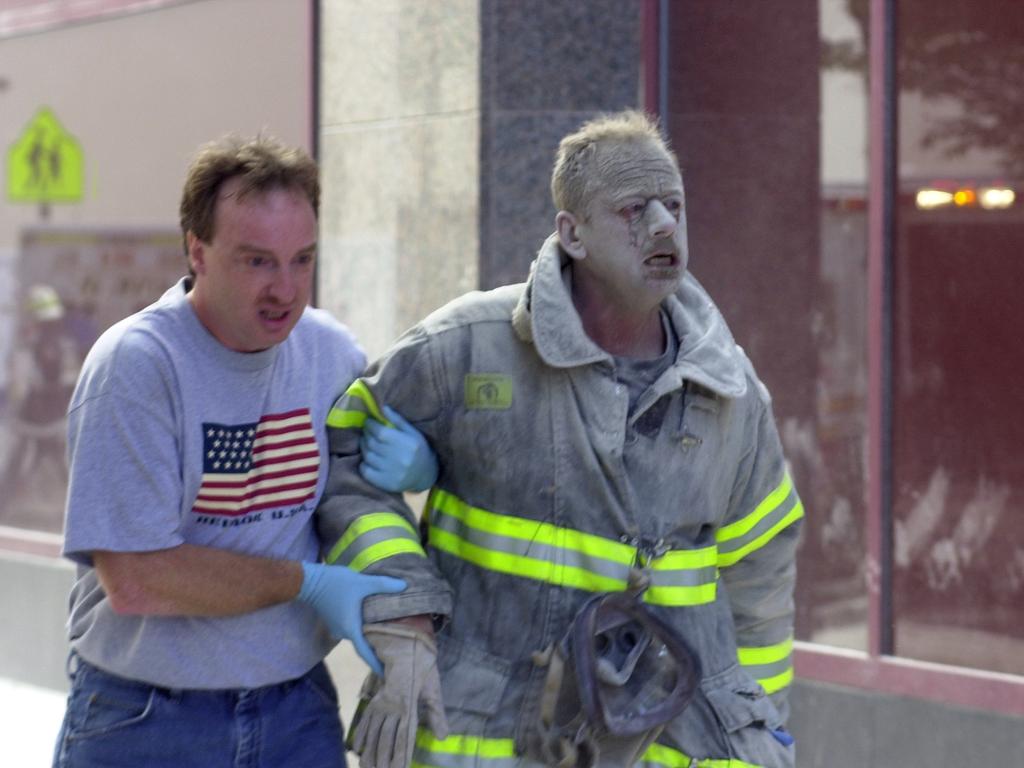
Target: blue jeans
112	722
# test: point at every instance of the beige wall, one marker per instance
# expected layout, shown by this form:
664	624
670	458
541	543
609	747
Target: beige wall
399	138
140	92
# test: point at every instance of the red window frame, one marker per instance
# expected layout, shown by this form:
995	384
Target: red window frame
877	669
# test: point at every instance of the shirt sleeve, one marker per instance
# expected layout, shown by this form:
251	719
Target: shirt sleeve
125	487
757	559
361	526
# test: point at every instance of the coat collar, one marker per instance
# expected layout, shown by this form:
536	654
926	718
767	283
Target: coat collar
545	316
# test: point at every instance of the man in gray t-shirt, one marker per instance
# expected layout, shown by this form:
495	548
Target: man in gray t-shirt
200	618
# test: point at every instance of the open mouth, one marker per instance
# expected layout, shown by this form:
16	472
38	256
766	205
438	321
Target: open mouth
661	260
273	316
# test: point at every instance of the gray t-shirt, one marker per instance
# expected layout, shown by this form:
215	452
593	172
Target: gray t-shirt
639	375
174	438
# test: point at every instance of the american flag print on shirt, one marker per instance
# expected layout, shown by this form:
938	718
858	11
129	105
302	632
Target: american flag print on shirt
268	464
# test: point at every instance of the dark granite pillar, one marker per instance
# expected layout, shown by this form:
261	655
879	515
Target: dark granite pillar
545	67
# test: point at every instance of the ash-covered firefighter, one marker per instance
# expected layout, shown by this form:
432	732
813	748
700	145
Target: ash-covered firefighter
599	432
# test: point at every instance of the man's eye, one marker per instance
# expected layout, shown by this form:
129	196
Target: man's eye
305	259
257	261
674	206
633	209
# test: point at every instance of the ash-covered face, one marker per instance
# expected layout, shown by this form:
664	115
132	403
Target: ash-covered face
630	246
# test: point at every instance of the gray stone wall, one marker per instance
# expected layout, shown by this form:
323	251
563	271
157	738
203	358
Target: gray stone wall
545	67
839	727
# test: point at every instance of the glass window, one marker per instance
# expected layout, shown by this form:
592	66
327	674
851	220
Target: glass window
958	463
771	132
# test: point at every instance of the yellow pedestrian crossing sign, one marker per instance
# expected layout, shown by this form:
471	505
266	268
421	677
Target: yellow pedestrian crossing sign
45	163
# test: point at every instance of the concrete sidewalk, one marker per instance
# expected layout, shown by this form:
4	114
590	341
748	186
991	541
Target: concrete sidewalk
30	716
29	720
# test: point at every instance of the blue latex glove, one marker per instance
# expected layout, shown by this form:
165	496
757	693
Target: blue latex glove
783	737
337	593
396	457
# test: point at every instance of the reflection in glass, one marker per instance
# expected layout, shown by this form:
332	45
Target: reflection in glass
42	368
71	284
958	465
832	602
771	131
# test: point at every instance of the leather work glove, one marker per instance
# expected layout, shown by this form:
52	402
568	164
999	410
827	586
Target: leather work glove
337	593
385	735
396	457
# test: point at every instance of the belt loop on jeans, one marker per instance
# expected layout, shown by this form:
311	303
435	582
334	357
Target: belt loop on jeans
71	665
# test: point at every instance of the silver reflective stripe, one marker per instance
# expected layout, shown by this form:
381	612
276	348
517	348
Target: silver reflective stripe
695	577
762	671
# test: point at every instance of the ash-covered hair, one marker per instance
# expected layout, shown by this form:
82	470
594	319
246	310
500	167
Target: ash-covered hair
574	176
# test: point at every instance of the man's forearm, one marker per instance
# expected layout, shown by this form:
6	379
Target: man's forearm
190	580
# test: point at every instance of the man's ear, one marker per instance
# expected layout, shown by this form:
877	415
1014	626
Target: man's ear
196	254
566	225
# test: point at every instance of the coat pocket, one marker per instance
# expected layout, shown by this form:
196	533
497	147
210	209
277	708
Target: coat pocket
748	717
739	703
472	680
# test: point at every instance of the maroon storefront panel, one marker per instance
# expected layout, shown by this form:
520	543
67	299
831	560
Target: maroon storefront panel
899	415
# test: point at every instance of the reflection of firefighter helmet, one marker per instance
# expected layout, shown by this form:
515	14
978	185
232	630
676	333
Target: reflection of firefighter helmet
43	303
619	673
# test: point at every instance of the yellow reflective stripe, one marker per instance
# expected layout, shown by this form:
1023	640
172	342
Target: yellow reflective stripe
660	756
705	593
367	523
686	559
385	549
358	389
656	756
343	418
519	565
465	745
730	558
770	665
777	682
340	419
372	522
766	507
766	654
533	530
564	556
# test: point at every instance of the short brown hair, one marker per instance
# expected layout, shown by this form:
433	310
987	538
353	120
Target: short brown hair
574	175
263	163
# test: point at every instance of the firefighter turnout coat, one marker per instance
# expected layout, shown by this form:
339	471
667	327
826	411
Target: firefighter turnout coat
550	491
